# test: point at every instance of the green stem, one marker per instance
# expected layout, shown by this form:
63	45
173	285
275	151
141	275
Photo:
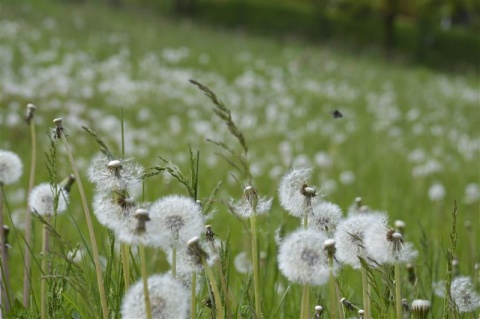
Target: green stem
126	265
148	306
193	297
216	293
96	257
174	262
256	281
5	272
332	290
366	297
305	304
398	291
43	281
28	220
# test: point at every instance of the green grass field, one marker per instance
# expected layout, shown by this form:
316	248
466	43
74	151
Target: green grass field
408	142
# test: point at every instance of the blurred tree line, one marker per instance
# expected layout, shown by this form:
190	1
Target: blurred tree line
433	30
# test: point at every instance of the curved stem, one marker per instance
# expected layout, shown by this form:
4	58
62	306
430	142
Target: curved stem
43	282
398	291
88	218
216	293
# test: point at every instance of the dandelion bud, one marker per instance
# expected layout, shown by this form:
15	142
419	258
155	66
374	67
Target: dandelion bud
347	304
455	266
6	231
11	167
364	209
361	313
358	202
67	183
420	308
251	196
57	131
142	216
195	248
400	226
412	278
318	312
209	234
405	306
30	112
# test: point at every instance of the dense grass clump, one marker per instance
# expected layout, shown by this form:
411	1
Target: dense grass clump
233	146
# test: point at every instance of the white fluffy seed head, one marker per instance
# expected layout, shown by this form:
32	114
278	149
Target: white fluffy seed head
168	299
46	199
113	212
302	259
465	298
178	217
386	246
296	193
350	237
111	175
11	167
420	307
325	216
251	203
242	263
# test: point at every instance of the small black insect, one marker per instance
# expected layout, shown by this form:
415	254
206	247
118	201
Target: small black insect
337	114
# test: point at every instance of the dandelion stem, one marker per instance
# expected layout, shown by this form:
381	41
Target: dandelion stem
174	262
332	290
305	304
366	296
28	220
43	282
256	282
96	257
216	293
193	299
5	273
126	265
398	291
148	306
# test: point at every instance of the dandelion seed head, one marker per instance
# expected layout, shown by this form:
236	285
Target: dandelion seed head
350	236
325	216
11	167
420	307
436	192
179	218
463	294
251	203
242	263
386	246
43	198
168	299
138	229
113	212
114	174
302	259
295	192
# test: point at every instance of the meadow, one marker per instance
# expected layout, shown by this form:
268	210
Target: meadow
408	144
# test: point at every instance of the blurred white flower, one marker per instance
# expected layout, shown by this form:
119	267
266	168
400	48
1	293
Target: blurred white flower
347	177
168	299
472	193
463	294
436	192
46	199
11	167
242	263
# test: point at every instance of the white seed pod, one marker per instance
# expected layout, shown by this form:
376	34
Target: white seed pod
251	203
46	199
11	167
350	236
325	216
112	212
168	299
296	194
178	217
302	259
465	298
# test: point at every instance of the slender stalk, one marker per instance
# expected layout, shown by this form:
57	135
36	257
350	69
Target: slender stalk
5	272
216	293
88	218
43	282
305	304
332	290
28	220
126	265
366	296
193	299
148	306
174	262
398	291
256	281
